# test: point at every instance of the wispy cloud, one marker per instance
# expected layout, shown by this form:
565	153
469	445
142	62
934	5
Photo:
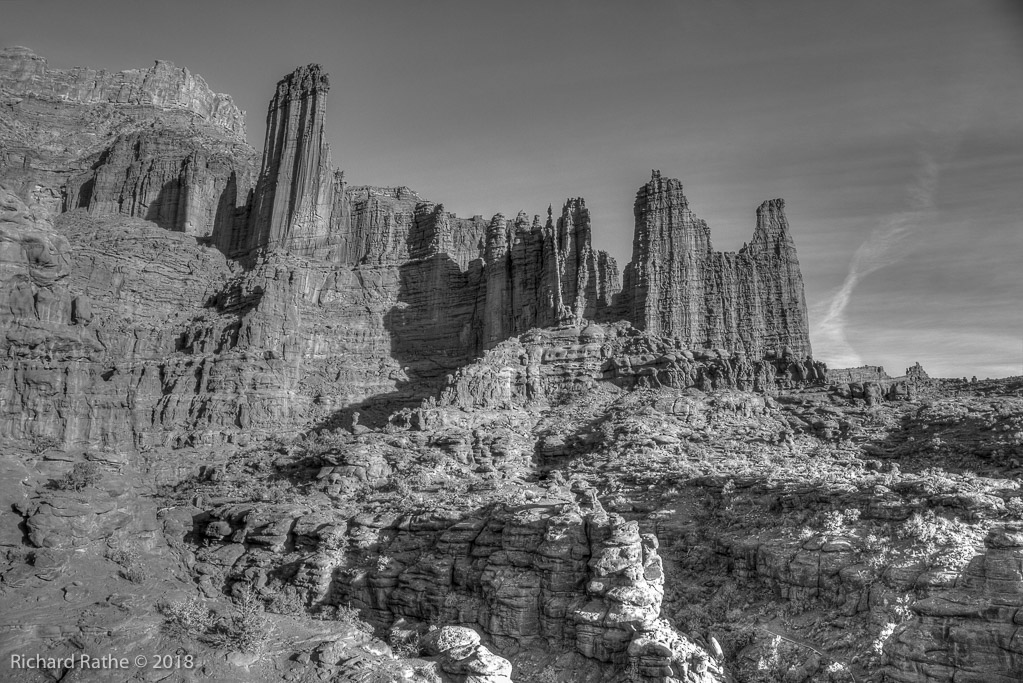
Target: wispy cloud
884	247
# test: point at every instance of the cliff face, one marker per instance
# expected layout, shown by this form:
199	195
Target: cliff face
541	276
165	86
345	298
676	284
156	144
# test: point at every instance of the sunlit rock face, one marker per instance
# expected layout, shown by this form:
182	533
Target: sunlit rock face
676	285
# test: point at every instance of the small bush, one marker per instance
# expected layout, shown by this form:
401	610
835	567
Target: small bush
877	551
833	521
41	444
82	475
346	615
249	627
125	553
135	574
404	643
877	647
192	616
286	601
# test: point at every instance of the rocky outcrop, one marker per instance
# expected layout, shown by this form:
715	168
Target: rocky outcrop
551	575
971	632
550	365
164	86
864	373
676	285
156	144
166	177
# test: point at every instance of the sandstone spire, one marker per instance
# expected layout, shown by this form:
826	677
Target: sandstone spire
543	276
677	286
294	194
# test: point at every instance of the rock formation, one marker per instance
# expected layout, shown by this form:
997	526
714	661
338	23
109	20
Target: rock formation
343	401
676	284
164	86
294	195
156	144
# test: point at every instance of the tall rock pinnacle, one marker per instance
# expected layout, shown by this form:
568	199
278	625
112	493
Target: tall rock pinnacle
678	286
540	276
295	191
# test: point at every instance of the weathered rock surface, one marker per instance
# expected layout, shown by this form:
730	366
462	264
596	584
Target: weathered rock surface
970	633
165	86
549	575
155	144
677	286
294	195
549	365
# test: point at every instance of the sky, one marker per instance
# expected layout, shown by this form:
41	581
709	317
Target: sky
893	130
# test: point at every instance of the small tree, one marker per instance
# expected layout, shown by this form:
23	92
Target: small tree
82	475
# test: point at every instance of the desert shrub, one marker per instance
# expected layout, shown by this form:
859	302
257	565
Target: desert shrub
548	675
945	543
837	521
877	551
278	491
125	553
193	616
286	600
877	646
832	521
248	627
135	574
364	538
735	641
345	615
41	444
82	475
404	642
956	555
920	528
692	618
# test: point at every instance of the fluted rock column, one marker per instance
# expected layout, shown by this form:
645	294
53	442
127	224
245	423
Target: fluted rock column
294	195
498	308
676	285
664	282
782	303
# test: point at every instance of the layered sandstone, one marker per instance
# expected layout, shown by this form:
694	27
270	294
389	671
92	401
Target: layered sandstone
164	86
555	575
676	285
969	633
543	276
156	144
345	298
